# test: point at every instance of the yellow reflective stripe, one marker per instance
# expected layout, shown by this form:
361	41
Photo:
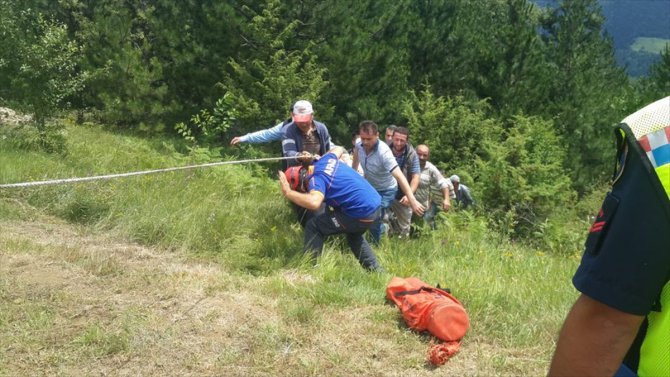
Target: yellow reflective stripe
663	173
655	350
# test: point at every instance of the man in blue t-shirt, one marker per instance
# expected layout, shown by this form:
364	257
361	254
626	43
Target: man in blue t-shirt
353	203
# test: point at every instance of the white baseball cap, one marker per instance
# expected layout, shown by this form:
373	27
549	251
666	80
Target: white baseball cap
302	111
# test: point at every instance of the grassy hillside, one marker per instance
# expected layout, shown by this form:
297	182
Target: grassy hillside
201	273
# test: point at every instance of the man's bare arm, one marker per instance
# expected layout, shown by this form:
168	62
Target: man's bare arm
311	200
594	339
407	190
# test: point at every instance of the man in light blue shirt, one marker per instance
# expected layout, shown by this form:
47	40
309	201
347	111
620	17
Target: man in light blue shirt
463	195
304	134
263	136
381	170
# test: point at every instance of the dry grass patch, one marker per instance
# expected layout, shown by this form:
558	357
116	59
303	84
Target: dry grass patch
75	302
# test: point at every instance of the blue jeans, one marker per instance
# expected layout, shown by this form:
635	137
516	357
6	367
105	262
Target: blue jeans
430	214
387	199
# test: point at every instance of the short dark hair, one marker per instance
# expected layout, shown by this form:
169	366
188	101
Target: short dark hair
368	126
402	130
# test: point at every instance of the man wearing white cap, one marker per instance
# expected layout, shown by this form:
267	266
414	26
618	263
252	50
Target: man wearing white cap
267	135
304	136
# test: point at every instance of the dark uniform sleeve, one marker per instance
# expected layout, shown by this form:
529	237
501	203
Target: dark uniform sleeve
626	260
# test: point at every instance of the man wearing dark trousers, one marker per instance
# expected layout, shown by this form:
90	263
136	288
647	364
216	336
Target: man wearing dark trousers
353	204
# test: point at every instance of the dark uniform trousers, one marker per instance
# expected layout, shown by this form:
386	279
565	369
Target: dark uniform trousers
334	221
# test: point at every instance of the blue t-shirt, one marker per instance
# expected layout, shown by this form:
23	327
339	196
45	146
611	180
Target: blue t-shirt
343	188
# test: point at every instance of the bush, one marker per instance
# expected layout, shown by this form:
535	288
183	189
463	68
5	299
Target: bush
29	137
453	128
522	181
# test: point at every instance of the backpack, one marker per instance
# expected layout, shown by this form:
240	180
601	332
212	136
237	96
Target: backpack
427	308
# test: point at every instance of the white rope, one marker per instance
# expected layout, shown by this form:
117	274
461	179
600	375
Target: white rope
130	174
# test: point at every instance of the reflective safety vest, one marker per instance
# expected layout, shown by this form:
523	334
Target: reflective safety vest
648	132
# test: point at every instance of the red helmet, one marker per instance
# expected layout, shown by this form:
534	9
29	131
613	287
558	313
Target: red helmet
297	178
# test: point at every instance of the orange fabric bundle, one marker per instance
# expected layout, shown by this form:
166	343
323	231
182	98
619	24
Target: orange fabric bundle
440	353
426	308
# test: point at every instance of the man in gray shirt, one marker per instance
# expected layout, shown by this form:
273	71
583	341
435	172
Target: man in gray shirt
408	161
381	170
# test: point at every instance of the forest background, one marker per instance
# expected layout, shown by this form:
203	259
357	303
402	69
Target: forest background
517	99
639	29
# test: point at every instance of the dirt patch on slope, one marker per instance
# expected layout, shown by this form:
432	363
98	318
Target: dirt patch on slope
78	303
82	304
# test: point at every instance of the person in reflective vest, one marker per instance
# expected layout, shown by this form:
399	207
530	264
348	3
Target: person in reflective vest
620	324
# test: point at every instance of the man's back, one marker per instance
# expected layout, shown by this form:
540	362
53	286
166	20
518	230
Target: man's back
343	187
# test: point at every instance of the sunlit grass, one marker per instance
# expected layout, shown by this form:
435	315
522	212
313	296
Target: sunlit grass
234	218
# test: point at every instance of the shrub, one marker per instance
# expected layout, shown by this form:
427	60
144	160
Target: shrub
455	129
521	178
47	138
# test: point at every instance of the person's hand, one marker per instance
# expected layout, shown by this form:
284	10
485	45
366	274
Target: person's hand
404	201
236	140
306	157
446	205
417	207
283	183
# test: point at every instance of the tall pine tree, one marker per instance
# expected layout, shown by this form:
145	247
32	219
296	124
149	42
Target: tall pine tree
584	87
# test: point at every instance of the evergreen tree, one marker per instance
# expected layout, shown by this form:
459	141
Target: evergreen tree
193	39
149	64
657	85
455	129
365	55
522	180
516	79
585	87
263	78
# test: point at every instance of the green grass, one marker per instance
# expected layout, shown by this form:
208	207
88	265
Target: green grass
228	290
102	342
650	45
